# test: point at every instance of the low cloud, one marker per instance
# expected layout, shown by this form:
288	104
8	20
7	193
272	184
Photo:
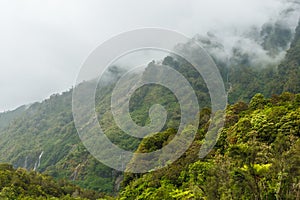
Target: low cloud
44	43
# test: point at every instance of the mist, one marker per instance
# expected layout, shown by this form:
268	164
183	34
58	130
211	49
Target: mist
44	43
262	44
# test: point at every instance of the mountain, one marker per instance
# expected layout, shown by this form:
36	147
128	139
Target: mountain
262	59
42	137
7	117
257	157
289	69
257	154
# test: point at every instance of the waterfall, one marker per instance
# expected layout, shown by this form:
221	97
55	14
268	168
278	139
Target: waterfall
25	164
38	163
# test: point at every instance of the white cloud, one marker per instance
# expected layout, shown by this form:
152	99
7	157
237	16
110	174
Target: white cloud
44	43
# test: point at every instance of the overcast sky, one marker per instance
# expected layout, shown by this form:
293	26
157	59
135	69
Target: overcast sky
44	42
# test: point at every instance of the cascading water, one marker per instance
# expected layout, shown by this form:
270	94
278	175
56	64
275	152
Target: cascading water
38	163
25	164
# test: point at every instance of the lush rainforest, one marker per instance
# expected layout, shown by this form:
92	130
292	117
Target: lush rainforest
257	155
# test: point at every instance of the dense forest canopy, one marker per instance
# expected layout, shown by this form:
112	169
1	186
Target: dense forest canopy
257	155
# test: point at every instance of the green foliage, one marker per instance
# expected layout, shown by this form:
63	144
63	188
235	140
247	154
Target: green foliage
258	157
250	160
20	184
48	127
244	81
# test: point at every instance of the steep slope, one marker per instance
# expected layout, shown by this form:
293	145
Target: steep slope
273	79
289	69
257	157
251	60
8	117
43	136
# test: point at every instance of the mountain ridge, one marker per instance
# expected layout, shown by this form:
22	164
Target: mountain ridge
48	126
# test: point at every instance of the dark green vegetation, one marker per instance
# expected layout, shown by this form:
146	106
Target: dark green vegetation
244	77
20	184
46	129
255	158
258	153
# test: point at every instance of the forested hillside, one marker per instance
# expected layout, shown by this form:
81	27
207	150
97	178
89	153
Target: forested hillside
258	152
44	139
7	117
20	184
246	74
256	156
